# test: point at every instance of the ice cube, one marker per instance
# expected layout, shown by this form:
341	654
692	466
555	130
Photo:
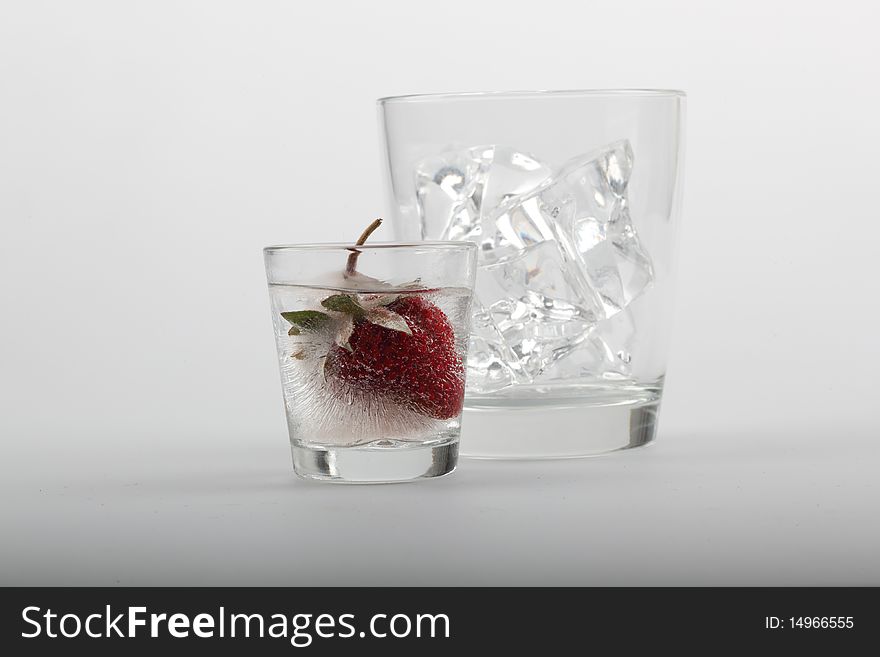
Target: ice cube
449	188
458	190
600	232
585	207
491	365
511	173
522	222
605	355
558	256
540	309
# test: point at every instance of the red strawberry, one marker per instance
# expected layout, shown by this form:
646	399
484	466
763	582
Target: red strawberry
421	368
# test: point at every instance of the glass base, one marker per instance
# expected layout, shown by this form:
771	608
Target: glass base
556	431
376	463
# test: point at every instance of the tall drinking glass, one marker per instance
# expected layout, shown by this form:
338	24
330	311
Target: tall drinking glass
573	198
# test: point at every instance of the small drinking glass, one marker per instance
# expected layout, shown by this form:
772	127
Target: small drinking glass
372	345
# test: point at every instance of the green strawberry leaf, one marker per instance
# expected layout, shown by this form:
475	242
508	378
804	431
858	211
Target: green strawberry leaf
343	303
305	320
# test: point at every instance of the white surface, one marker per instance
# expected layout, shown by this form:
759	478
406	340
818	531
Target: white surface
693	509
149	150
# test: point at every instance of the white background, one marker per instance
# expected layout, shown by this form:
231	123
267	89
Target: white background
148	150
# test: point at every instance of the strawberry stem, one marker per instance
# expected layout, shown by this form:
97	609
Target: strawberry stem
351	265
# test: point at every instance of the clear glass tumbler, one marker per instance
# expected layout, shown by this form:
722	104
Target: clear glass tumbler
573	198
372	342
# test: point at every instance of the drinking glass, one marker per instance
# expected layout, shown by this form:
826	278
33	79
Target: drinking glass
573	198
372	341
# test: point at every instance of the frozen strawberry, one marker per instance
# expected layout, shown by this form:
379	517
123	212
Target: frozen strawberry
393	343
419	366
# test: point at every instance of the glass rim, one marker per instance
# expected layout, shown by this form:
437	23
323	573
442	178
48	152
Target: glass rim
534	93
439	245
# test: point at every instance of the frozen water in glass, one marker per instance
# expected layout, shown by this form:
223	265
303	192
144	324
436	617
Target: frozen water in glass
449	189
491	364
524	221
541	310
457	191
606	353
325	409
511	173
559	258
585	207
600	231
